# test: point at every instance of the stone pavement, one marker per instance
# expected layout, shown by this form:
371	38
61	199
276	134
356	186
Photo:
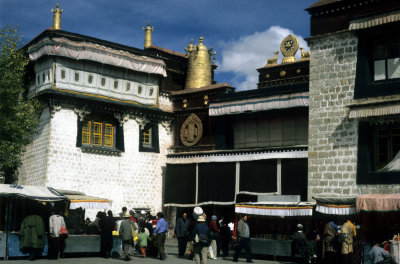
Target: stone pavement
171	248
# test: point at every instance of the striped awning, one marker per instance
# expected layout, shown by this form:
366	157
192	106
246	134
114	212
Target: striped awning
374	21
88	202
368	111
336	205
335	209
276	209
259	104
234	157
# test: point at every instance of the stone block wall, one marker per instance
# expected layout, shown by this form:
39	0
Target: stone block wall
133	179
332	156
34	160
333	137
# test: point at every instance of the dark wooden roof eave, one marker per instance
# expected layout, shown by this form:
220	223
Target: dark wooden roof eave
50	32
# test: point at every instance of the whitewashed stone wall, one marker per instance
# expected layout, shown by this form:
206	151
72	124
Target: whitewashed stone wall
165	103
333	137
34	160
133	179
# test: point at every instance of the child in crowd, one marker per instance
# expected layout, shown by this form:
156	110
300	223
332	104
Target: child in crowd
143	237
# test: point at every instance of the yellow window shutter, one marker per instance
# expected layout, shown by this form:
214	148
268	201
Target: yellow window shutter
108	135
86	127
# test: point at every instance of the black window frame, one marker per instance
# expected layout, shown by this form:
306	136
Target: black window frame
367	157
118	135
368	39
154	146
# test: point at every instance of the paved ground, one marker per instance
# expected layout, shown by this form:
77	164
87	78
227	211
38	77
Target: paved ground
171	249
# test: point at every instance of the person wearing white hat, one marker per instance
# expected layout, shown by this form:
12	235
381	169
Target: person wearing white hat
200	237
126	234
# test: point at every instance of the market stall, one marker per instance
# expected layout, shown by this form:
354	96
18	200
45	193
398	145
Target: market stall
272	224
16	202
380	215
83	239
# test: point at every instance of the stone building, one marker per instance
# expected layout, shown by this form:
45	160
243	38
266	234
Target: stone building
152	128
104	124
354	98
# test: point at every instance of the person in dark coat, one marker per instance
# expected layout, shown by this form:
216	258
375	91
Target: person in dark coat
182	233
200	238
225	238
300	246
107	225
32	236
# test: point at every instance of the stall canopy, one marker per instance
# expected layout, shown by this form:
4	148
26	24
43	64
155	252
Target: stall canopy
378	202
40	193
276	208
336	205
81	200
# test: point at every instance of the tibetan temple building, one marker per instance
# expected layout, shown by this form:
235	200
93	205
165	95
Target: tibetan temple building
152	128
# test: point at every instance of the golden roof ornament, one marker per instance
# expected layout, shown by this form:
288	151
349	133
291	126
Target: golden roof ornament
189	48
273	61
57	17
148	38
199	65
305	55
289	47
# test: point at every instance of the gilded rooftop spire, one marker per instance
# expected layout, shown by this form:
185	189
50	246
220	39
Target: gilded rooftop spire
57	17
199	65
148	38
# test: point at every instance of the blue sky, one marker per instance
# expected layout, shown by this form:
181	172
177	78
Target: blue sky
244	33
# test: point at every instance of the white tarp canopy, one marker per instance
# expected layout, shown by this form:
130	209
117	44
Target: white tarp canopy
40	193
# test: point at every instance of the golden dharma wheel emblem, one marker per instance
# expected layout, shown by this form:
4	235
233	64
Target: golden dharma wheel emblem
289	47
191	130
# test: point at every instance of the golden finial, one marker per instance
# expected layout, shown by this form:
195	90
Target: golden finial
189	48
273	61
57	17
304	55
148	38
199	65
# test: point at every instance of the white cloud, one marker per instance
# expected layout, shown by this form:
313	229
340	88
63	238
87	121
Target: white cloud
244	56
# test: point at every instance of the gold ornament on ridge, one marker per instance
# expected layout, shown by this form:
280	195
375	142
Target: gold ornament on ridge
289	47
57	17
148	38
199	65
273	61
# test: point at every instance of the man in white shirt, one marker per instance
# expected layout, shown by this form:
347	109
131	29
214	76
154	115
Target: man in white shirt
56	243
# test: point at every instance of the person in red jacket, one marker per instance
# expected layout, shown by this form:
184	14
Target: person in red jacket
214	230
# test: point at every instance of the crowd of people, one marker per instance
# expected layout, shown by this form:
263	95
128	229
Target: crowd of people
199	237
144	234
